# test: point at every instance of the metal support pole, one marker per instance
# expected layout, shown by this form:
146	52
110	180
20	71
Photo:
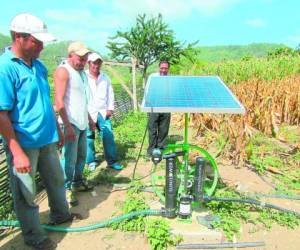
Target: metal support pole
186	152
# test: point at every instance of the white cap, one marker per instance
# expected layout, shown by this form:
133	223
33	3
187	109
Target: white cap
27	23
78	48
94	57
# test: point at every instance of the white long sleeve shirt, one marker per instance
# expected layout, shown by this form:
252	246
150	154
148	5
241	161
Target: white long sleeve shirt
101	97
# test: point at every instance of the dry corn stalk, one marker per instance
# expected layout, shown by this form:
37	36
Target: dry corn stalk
268	104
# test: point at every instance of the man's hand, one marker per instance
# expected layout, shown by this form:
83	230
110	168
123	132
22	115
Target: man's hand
20	160
61	138
92	125
21	163
70	134
108	113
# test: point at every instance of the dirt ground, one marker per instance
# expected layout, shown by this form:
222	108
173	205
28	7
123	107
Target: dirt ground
102	203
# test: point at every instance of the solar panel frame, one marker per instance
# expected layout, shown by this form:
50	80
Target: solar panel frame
237	108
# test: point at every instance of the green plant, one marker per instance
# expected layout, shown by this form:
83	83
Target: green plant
233	214
157	230
230	213
6	211
267	217
158	234
135	201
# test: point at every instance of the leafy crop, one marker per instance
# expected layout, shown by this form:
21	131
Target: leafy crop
158	234
157	230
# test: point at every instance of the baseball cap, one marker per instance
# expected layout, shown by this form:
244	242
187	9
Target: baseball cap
78	48
94	57
27	23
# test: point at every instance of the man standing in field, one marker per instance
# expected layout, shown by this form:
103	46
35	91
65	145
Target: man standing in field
158	123
30	130
101	106
71	101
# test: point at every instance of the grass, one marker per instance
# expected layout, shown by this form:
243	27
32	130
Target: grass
290	133
129	133
265	152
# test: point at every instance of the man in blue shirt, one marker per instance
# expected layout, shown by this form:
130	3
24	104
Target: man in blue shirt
29	129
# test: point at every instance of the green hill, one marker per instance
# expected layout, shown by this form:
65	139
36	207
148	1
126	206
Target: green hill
53	53
4	41
235	52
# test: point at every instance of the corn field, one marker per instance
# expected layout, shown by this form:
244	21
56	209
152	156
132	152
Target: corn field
269	103
233	72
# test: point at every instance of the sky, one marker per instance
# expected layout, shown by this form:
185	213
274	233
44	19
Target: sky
210	22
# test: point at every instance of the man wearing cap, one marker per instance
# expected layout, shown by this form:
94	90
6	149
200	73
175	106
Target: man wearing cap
30	131
101	106
71	101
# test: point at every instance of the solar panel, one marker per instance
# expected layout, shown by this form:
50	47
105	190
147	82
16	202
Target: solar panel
196	94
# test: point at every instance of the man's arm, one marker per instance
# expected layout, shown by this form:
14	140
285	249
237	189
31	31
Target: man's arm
61	77
20	160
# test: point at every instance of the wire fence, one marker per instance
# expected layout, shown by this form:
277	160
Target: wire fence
5	194
123	104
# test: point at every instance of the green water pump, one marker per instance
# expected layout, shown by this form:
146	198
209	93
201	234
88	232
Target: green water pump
185	182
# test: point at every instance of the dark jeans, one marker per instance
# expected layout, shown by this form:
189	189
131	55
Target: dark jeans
158	129
23	187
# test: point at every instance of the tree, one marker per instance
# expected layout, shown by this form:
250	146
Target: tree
280	52
150	40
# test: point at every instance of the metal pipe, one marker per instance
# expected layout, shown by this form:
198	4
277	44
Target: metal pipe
221	245
186	153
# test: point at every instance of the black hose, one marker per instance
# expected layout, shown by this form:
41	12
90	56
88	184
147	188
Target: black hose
221	245
252	201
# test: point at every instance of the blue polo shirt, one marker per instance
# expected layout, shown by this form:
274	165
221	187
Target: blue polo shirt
25	93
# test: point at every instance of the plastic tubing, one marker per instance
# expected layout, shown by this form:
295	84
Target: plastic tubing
105	223
221	245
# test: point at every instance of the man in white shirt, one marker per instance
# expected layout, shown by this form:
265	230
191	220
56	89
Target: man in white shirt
101	106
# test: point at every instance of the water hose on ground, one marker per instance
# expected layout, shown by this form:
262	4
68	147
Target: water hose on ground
252	201
105	223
